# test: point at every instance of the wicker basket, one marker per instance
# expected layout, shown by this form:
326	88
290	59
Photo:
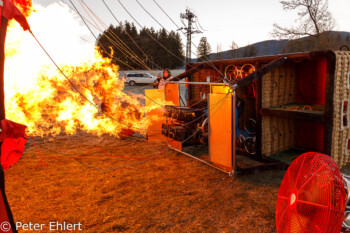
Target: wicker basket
279	87
341	131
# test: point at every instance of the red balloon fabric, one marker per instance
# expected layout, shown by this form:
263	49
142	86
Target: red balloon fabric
10	11
11	151
13	138
10	129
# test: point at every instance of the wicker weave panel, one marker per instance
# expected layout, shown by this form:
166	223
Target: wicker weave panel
279	86
278	134
341	133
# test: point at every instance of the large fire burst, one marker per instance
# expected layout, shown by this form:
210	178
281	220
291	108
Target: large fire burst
39	96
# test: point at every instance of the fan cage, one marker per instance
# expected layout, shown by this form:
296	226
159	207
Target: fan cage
312	196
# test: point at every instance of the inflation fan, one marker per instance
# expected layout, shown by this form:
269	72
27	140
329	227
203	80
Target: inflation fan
313	197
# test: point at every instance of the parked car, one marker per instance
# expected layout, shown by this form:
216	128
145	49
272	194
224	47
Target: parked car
139	78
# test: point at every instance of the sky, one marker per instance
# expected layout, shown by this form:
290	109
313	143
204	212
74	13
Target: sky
242	21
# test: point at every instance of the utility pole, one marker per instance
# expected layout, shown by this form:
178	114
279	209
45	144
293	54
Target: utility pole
190	17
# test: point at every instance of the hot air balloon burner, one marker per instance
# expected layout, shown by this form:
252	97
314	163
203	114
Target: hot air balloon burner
185	124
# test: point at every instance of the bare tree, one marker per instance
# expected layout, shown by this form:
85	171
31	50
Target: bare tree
218	51
314	19
234	47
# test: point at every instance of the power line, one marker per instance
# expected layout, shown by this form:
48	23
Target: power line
118	43
103	49
183	22
152	37
199	24
134	42
182	32
124	63
172	19
85	24
151	15
156	20
189	31
211	64
150	34
166	14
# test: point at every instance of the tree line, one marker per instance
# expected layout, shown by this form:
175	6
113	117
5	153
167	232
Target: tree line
147	47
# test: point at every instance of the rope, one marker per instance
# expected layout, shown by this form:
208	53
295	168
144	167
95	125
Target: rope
124	157
81	94
41	162
73	85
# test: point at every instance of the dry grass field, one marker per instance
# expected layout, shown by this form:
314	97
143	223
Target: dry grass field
82	178
169	193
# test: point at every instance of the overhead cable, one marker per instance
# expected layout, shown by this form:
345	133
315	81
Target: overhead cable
118	43
130	37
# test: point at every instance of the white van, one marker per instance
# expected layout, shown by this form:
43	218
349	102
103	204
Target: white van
139	78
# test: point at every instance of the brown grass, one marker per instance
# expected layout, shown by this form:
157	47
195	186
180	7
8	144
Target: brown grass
171	193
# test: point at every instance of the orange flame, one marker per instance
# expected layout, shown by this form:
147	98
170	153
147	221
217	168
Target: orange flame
39	96
25	6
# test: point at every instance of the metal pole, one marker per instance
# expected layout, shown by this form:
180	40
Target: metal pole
203	161
189	33
3	29
189	16
199	83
